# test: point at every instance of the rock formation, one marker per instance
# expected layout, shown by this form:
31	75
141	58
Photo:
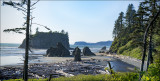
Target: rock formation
59	51
103	50
73	52
45	40
87	52
77	54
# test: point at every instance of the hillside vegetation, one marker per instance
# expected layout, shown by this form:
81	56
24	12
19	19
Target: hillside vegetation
130	27
135	36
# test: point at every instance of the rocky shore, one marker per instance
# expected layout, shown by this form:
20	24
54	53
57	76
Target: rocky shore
65	68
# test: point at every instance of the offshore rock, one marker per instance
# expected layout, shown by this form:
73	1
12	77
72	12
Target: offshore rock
45	40
87	52
77	54
59	51
103	50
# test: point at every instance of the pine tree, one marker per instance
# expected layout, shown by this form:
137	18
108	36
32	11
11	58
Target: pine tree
119	25
129	15
139	26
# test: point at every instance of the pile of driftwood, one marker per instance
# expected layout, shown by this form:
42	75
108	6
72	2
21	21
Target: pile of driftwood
54	70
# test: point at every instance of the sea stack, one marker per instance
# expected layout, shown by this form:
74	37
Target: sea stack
59	51
45	40
87	52
103	50
77	54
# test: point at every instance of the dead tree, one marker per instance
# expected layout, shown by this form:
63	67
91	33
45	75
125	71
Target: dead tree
19	6
27	42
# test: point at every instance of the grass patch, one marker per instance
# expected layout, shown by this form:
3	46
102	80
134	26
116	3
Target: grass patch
28	80
135	53
126	76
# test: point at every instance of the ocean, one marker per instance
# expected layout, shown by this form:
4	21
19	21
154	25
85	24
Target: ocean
10	54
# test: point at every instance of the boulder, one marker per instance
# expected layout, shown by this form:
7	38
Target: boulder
77	54
87	52
59	51
103	50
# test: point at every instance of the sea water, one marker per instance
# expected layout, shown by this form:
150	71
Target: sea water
10	54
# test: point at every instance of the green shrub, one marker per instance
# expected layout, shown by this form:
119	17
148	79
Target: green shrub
28	80
100	77
153	73
125	47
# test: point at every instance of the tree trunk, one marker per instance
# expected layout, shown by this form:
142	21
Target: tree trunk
149	60
27	43
144	40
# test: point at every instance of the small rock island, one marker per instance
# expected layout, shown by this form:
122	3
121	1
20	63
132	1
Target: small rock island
59	51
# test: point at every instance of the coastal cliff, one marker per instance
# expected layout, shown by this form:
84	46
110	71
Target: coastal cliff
45	40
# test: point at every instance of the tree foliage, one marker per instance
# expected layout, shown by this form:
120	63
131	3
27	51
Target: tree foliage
130	33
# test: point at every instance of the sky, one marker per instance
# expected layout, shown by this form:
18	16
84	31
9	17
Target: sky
90	21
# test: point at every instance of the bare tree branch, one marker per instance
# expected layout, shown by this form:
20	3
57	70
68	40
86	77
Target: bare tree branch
35	3
43	26
24	14
33	8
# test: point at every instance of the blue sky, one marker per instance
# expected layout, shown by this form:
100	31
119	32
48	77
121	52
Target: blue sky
89	21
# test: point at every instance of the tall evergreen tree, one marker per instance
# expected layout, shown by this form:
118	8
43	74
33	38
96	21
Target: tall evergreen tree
119	25
139	26
129	15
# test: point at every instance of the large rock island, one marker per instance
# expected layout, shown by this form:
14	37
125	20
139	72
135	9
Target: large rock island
45	40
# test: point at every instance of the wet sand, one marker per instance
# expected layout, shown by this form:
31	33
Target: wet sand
118	63
60	59
136	63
